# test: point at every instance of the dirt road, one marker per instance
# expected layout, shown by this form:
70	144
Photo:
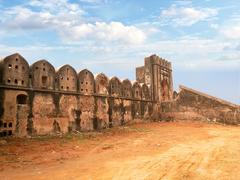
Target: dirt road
175	150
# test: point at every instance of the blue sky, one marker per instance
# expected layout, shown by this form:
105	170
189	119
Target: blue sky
200	38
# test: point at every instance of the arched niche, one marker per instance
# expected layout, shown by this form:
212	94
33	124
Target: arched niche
126	88
86	82
21	99
15	70
165	89
137	91
66	78
115	87
101	84
145	92
42	75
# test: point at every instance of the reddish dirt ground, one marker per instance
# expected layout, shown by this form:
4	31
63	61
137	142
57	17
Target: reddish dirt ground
159	150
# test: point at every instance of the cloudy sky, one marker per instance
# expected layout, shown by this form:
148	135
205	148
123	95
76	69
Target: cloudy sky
200	38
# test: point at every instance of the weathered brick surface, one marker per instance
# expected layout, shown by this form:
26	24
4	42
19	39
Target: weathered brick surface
191	104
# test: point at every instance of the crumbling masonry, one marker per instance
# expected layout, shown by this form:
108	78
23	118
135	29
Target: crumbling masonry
37	99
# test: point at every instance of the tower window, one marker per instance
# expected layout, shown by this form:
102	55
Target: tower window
44	69
15	81
22	82
67	87
16	67
9	80
10	124
16	59
9	66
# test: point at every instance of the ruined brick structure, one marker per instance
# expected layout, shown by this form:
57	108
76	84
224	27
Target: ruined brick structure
37	99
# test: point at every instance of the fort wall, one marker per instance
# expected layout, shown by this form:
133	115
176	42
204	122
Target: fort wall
37	99
195	105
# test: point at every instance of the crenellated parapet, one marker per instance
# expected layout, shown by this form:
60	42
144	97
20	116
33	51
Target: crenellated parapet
16	72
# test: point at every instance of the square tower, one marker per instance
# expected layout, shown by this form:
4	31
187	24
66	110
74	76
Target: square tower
157	74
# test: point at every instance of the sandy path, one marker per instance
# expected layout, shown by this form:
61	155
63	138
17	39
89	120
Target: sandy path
168	151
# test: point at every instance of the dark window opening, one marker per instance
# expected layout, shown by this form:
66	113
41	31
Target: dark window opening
44	80
5	125
137	93
43	69
81	82
22	82
86	90
23	68
67	78
10	124
9	80
61	78
36	67
61	87
21	99
81	89
44	64
4	133
86	73
15	81
30	76
9	132
16	59
86	82
67	87
16	67
9	66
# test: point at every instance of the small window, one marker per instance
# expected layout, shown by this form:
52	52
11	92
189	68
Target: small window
16	81
86	90
86	82
16	59
86	73
9	80
81	82
10	124
22	82
67	78
137	93
21	99
16	67
81	89
5	125
30	76
67	87
44	69
44	64
9	66
61	87
61	78
36	67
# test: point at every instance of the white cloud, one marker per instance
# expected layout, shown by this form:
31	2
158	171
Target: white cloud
186	16
232	32
67	19
111	32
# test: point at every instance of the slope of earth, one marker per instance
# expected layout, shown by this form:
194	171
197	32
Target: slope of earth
174	150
